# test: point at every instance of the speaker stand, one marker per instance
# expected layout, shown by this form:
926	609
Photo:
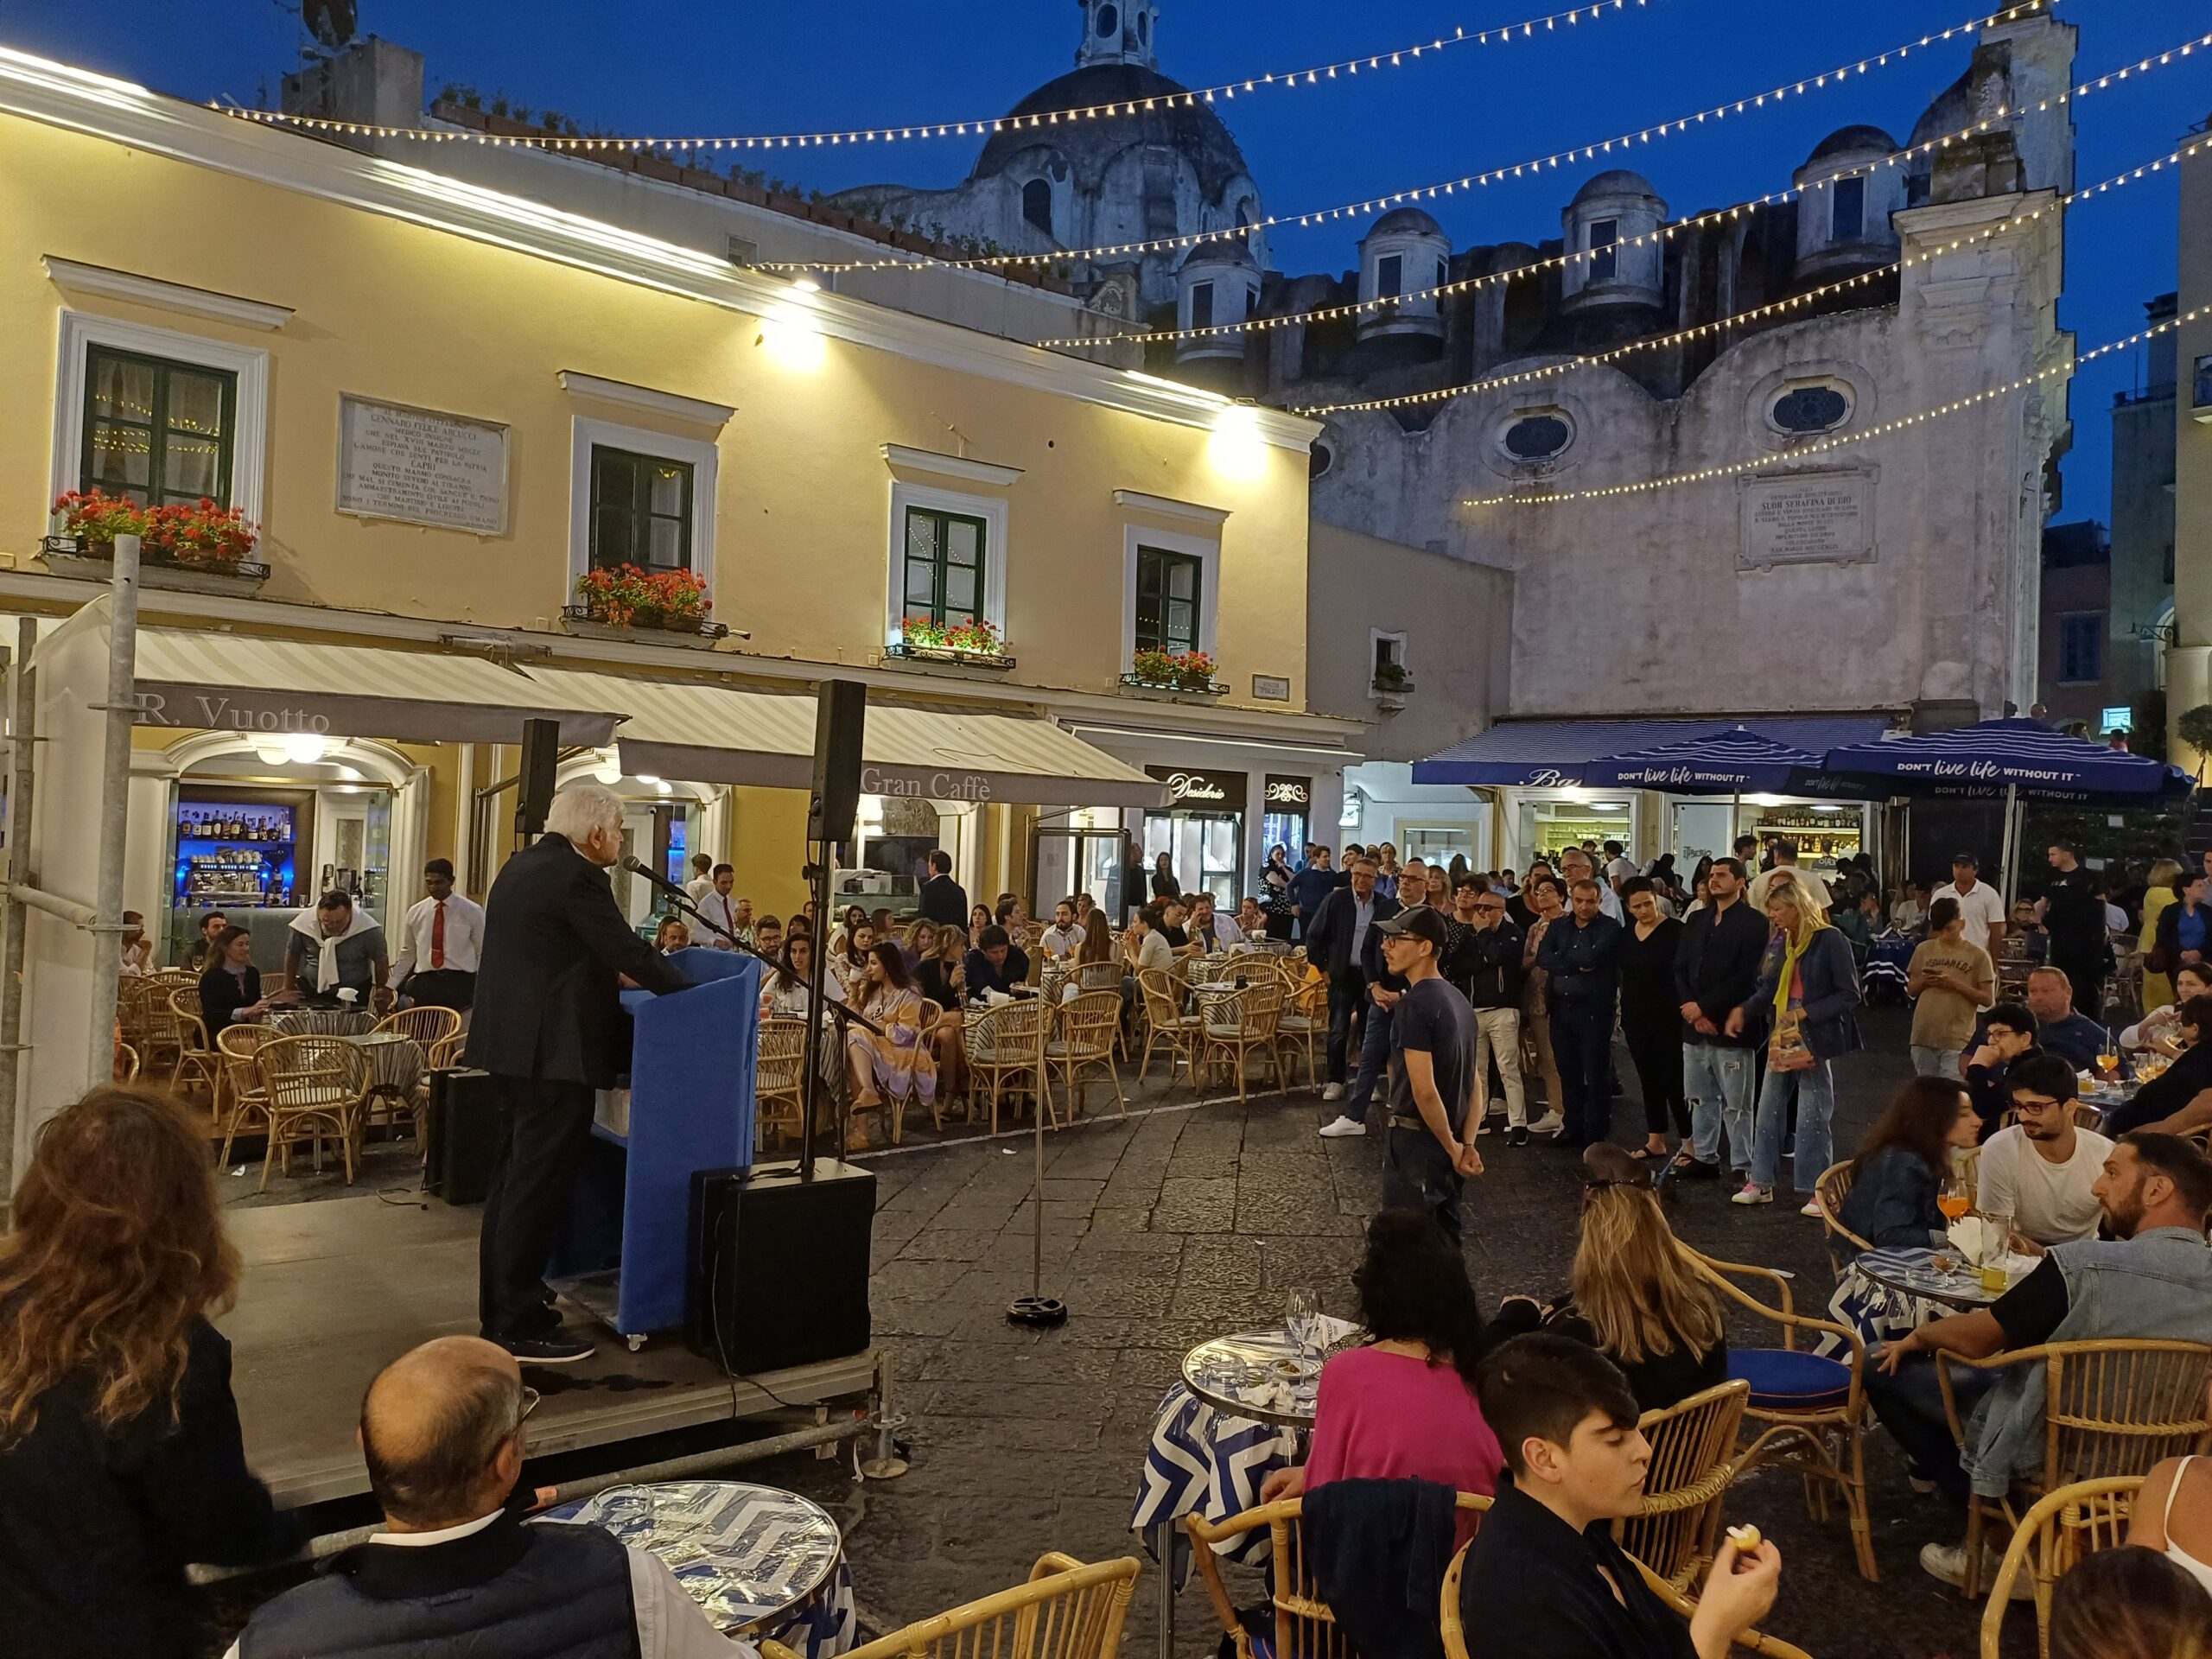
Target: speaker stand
1037	1310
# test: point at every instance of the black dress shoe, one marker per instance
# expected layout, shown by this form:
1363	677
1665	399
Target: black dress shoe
1517	1136
557	1347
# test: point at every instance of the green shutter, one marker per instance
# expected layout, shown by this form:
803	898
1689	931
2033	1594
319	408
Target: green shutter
641	511
947	557
157	431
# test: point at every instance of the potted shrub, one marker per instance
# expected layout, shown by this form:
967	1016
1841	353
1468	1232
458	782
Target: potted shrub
976	642
1392	678
189	547
629	600
201	535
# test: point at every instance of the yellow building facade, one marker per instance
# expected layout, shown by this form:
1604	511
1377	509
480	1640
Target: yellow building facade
2189	660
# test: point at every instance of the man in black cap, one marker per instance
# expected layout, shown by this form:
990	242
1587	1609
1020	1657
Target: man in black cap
1429	1151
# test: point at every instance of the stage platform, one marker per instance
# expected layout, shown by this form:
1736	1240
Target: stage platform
335	1290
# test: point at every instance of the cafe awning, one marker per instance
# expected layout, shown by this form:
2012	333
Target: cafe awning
1550	754
719	734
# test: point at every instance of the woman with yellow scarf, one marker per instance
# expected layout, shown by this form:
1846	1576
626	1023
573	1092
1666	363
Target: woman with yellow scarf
1807	988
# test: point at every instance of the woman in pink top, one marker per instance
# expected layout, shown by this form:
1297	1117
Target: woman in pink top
1403	1407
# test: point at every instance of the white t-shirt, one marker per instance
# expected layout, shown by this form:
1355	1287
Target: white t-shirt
1059	941
2050	1202
1619	870
1982	909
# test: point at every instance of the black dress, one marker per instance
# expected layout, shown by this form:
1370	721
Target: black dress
223	993
1651	1023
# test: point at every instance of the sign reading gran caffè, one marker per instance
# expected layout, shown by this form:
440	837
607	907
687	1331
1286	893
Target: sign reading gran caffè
420	467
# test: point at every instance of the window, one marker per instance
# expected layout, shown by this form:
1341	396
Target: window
1144	28
945	558
1443	273
1036	204
156	431
1605	258
1243	215
1389	276
1202	305
1168	589
1251	300
641	511
1109	21
1390	654
1537	437
1810	409
1847	209
2081	647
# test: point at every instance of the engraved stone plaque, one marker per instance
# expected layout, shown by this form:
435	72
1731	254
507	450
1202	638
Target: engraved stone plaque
1807	519
420	467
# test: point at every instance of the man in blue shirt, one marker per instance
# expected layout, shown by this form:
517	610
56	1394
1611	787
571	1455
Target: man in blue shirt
1314	881
1341	941
1581	953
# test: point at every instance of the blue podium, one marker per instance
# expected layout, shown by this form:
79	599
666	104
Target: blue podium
689	1106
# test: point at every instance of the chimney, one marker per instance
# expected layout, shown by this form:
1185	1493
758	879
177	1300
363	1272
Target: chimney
372	81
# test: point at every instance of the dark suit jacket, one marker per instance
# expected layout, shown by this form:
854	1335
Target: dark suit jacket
546	991
1329	929
944	900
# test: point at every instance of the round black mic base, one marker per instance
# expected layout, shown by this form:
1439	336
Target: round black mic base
1042	1312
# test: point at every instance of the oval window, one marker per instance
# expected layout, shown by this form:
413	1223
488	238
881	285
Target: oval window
1810	409
1537	437
1109	21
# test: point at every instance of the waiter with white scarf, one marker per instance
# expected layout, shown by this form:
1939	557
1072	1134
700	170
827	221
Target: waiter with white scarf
335	948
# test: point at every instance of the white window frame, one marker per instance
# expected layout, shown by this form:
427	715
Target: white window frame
1375	637
1206	550
702	458
990	509
82	330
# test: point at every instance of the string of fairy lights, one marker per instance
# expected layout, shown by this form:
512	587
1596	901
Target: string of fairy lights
1748	104
1774	308
1823	445
1567	260
982	126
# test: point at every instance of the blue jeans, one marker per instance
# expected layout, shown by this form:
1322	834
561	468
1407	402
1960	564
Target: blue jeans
1936	1062
1910	1405
1718	1081
1374	1057
1815	1092
1582	1043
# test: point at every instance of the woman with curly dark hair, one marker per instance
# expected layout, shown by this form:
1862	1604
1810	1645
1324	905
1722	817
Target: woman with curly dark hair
120	1454
1401	1404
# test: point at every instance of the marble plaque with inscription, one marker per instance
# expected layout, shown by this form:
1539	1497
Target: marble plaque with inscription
1807	519
422	466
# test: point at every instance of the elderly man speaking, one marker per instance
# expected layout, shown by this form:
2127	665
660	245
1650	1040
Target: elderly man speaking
548	1027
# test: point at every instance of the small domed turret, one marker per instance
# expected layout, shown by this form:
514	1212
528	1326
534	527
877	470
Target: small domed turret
1613	223
1403	257
1845	196
1217	283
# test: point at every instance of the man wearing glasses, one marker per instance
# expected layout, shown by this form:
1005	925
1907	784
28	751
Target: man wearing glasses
1430	1149
1485	963
455	1569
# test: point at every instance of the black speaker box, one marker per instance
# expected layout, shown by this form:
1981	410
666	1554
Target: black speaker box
779	1266
460	1135
840	721
541	759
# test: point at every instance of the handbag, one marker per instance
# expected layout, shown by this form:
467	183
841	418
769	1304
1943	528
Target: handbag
1786	1050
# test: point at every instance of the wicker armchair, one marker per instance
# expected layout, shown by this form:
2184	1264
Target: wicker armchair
1305	1015
1209	968
126	1062
1167	1025
1242	1023
1815	1408
779	1078
1694	1463
1083	1041
196	1064
431	1027
1455	1633
312	1085
2110	1408
2061	1528
895	1106
1066	1610
1833	1187
1004	1046
244	1099
1305	1628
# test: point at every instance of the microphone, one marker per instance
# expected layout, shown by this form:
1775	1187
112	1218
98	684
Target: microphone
636	866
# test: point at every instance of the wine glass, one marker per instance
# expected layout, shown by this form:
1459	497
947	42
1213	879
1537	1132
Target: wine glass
1302	1321
1953	1198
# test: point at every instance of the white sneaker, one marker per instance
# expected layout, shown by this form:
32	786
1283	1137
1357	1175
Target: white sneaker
1549	1123
1753	1194
1344	1126
1813	1209
1482	1126
1332	1092
1949	1563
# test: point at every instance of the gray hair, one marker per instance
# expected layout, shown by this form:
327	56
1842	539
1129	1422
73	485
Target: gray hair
582	808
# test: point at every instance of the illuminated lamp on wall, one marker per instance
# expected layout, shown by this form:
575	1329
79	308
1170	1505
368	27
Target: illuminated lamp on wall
1237	450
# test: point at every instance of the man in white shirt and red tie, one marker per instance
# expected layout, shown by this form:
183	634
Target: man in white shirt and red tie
441	940
726	911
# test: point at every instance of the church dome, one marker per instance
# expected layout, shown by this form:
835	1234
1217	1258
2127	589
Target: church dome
1220	251
1192	129
1411	220
1846	141
1952	111
1615	181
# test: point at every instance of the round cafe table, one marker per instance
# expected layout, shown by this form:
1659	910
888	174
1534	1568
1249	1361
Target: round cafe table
395	1060
319	1022
759	1561
1256	1374
1885	1295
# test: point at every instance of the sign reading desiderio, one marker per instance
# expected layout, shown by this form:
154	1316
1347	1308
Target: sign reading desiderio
420	467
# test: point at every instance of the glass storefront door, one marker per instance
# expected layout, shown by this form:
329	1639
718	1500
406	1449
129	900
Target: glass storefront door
1204	850
1085	852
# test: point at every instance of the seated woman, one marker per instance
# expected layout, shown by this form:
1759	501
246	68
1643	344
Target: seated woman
2173	1514
1402	1405
2178	1101
230	991
1632	1297
919	944
898	1063
2155	1032
1092	967
1902	1163
943	978
672	935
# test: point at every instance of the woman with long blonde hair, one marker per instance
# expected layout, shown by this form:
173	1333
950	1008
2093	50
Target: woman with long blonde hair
2158	894
120	1454
1808	987
1633	1297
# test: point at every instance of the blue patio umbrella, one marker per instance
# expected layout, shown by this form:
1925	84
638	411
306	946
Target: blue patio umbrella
1724	762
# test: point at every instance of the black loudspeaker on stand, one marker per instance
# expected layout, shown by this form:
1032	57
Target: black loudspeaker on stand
541	760
780	1265
840	723
461	1135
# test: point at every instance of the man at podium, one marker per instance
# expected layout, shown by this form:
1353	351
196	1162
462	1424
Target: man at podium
550	1028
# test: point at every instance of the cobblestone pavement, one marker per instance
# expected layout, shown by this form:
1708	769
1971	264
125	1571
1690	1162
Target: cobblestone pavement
1178	1224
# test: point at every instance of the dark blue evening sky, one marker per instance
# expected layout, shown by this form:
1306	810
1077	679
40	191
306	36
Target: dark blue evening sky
651	67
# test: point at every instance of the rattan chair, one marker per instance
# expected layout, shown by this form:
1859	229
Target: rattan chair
1694	1463
126	1062
428	1027
2061	1528
1004	1046
779	1078
1455	1633
196	1064
244	1099
313	1084
436	1035
1066	1610
2110	1408
1305	1628
1814	1408
1167	1025
1241	1024
1305	1014
1833	1187
894	1106
1209	968
1081	1041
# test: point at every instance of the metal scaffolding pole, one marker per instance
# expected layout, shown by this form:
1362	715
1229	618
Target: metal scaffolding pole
121	711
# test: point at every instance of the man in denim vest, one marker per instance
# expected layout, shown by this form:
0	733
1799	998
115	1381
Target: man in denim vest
2152	1279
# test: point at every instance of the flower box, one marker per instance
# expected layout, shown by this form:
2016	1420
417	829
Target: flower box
1210	689
908	652
187	547
653	627
974	644
1164	670
89	561
626	603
